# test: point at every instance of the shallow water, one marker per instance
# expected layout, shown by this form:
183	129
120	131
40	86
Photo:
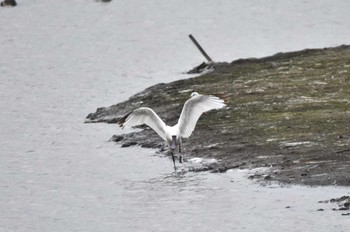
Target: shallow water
62	60
227	202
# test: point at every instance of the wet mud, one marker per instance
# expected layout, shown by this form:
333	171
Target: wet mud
341	204
289	112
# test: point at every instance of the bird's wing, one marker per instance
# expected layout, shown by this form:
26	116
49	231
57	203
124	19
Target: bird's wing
193	109
144	115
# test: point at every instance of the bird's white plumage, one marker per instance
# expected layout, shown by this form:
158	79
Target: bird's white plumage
145	115
192	110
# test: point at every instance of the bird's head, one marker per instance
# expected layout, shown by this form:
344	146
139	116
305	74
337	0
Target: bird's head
194	94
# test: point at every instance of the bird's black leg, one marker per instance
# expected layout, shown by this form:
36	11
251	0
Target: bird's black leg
172	154
180	157
172	149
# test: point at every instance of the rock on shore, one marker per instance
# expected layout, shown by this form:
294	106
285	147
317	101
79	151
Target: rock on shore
289	112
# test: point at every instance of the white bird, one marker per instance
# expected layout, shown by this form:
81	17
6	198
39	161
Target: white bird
192	110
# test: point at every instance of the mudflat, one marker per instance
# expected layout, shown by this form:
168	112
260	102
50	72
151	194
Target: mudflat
289	112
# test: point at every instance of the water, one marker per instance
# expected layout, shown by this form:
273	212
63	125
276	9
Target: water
226	202
62	59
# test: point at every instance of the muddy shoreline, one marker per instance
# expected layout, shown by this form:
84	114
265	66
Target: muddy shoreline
289	112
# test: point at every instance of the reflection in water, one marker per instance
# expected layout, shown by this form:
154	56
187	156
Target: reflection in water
224	202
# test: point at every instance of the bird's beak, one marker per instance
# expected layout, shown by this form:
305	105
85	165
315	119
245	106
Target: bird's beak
173	143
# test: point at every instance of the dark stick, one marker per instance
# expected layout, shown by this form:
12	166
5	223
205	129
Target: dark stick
200	48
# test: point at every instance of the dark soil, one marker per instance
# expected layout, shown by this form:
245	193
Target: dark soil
289	112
